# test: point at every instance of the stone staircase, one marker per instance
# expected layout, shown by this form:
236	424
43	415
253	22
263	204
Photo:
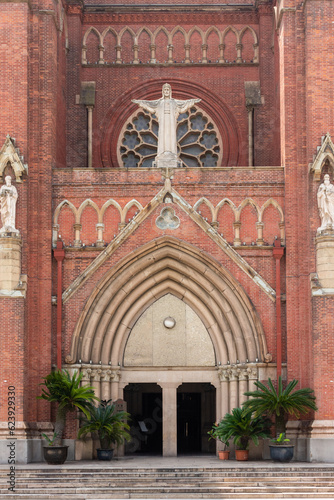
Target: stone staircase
174	483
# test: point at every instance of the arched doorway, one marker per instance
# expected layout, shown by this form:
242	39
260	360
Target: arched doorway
170	315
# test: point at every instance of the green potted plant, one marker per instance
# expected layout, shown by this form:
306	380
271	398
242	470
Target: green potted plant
65	390
280	403
217	433
111	427
243	428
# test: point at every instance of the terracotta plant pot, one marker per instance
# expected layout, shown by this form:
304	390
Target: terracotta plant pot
223	455
241	454
55	455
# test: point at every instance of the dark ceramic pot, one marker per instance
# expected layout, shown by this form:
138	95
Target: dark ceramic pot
104	454
281	453
55	455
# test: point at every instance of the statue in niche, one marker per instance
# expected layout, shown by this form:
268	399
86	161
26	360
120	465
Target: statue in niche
167	111
325	198
8	198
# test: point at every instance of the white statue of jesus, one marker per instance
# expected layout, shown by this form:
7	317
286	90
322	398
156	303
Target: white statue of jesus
8	198
167	111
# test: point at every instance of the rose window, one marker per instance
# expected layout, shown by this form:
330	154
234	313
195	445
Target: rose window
199	143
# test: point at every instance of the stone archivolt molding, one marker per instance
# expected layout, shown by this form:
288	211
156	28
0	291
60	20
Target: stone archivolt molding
124	220
169	54
9	154
325	153
168	266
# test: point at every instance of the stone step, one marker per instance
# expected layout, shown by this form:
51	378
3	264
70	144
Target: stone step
136	473
178	489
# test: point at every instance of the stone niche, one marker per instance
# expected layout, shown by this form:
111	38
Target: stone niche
169	333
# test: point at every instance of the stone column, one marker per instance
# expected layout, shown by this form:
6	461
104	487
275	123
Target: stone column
152	48
234	400
105	384
204	53
223	398
96	382
100	229
256	52
10	260
221	52
170	53
324	244
84	55
187	49
77	241
239	49
169	419
237	240
118	54
282	232
114	379
252	377
259	228
135	54
90	136
243	385
55	232
250	136
101	51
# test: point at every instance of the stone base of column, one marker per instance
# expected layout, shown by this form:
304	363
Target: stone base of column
325	258
10	260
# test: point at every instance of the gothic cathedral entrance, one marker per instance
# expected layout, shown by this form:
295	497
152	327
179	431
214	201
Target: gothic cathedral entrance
176	336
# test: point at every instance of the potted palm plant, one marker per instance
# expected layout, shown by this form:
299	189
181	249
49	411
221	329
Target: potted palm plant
217	433
111	426
65	390
280	404
243	428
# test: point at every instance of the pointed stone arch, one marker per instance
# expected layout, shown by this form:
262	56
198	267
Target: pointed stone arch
168	265
85	204
275	204
130	31
207	203
244	203
109	30
325	153
192	31
226	201
9	154
90	30
65	203
127	207
108	204
233	30
164	30
215	30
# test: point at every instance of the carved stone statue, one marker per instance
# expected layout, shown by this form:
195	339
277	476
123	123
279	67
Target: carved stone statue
167	111
8	198
325	198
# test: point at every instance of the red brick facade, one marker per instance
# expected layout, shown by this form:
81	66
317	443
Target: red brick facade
205	51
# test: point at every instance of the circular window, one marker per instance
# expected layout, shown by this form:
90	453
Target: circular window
199	143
